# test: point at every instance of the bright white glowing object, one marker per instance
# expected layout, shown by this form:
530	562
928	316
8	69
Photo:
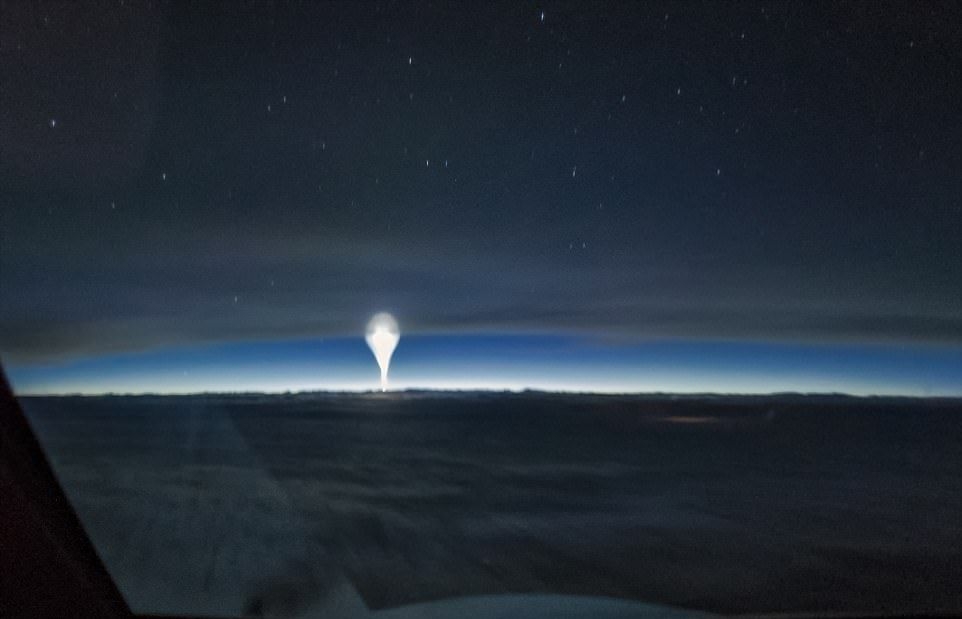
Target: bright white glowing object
382	336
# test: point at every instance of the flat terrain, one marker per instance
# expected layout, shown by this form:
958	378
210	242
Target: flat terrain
253	503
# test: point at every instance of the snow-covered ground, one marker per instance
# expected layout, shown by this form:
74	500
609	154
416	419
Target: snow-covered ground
273	504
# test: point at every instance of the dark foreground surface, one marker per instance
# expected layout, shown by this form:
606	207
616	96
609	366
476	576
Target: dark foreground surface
262	504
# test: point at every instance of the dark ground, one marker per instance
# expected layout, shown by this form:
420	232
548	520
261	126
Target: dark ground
221	504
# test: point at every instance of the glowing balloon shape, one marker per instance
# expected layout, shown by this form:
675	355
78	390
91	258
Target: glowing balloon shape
382	337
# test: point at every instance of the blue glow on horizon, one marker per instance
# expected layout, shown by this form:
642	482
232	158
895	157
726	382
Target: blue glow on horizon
513	362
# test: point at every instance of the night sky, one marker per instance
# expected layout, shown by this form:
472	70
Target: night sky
691	196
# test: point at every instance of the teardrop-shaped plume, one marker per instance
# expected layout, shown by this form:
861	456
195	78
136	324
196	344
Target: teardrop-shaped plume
382	337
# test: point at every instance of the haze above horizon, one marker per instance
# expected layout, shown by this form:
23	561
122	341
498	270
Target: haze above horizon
508	362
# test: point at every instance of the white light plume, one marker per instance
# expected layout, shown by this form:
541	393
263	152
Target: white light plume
382	337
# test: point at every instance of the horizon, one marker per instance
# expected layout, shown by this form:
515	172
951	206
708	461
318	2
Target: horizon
508	362
378	394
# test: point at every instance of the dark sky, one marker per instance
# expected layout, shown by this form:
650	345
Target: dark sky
775	172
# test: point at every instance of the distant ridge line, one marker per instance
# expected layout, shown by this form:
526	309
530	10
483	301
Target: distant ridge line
644	395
